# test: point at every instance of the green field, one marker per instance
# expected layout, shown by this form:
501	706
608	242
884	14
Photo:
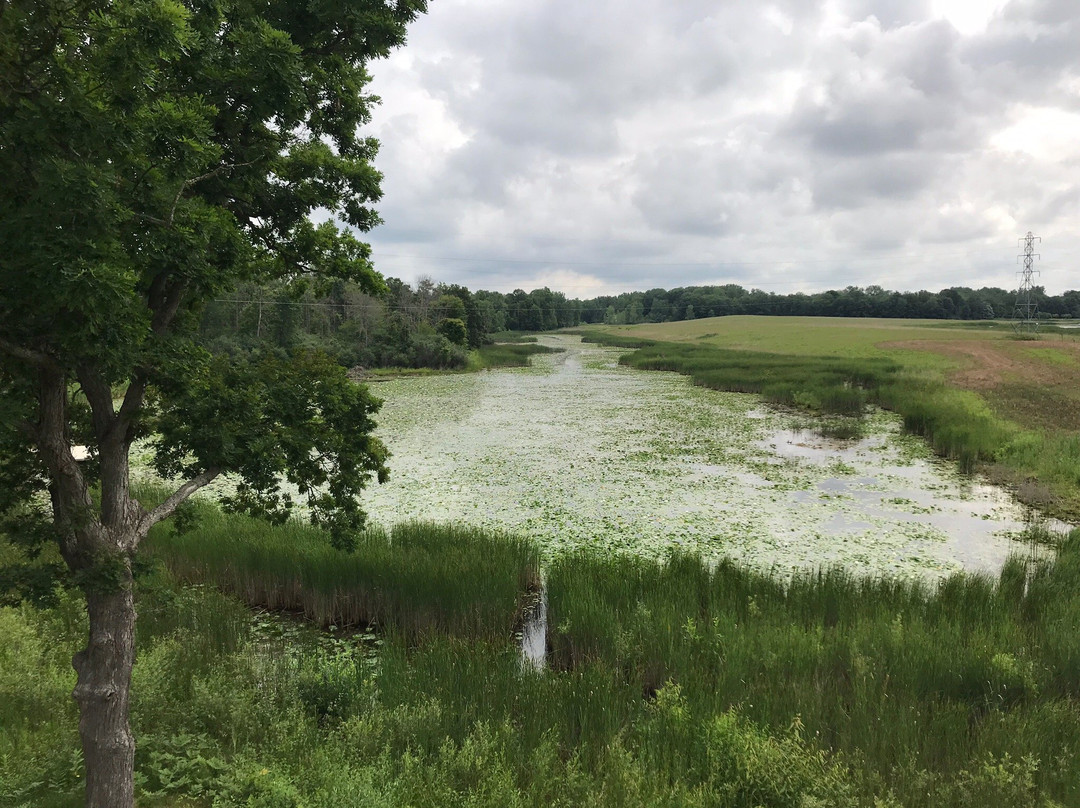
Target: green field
813	336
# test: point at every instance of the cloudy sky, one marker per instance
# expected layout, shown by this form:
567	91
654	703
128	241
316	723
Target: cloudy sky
598	146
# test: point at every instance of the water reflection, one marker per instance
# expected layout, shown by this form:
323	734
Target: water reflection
965	515
534	634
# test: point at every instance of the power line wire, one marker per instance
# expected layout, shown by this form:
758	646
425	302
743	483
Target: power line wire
719	263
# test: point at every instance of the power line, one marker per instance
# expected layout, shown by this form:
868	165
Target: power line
620	262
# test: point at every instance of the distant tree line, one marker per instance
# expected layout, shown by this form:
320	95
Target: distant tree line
429	325
434	325
692	302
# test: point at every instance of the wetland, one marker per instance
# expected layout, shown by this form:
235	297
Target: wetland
579	452
591	584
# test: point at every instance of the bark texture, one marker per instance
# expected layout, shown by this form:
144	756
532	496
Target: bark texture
98	543
102	692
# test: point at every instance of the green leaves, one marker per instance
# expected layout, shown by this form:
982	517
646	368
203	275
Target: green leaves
300	419
156	153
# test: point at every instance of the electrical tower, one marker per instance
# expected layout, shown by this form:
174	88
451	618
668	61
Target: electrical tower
1024	321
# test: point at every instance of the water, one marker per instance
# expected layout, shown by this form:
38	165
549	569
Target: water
534	635
578	452
906	502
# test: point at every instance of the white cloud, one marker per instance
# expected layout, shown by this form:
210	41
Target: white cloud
968	16
1046	134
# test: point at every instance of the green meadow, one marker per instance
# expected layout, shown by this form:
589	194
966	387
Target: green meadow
814	336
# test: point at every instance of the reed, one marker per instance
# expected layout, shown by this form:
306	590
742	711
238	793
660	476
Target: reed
896	677
679	684
418	578
500	355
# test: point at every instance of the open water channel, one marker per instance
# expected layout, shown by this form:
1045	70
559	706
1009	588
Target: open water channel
578	452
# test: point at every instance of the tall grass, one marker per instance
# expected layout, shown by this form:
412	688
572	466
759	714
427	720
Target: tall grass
419	578
679	684
827	384
509	355
917	688
511	337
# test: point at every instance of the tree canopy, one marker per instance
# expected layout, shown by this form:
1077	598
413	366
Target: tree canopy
155	153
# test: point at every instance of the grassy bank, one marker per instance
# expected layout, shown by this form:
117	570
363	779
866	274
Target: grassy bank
834	377
514	353
920	691
676	684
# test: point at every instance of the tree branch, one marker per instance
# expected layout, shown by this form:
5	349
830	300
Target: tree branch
168	303
188	183
133	401
99	394
168	222
38	358
169	506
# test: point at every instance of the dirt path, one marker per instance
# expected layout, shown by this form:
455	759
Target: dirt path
991	363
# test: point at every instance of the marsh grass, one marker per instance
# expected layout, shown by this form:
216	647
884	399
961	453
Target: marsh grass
679	684
911	684
511	336
500	355
418	578
838	427
827	384
958	424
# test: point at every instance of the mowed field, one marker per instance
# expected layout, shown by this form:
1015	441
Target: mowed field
1035	383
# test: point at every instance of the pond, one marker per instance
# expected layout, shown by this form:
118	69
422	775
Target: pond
579	452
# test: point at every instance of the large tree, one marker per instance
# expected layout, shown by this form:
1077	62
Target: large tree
153	153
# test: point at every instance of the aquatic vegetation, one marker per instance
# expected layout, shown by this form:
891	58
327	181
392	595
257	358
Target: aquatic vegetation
498	355
968	391
719	657
896	676
578	451
681	683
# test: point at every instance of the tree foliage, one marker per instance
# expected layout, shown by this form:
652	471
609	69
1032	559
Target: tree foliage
154	154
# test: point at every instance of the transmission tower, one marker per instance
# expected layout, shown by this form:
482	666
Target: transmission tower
1024	321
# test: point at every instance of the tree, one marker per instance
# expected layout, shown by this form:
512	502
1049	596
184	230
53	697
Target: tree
450	306
155	153
454	330
473	319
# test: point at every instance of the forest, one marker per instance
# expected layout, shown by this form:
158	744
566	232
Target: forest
434	325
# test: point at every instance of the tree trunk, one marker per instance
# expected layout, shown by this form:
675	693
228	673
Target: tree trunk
103	692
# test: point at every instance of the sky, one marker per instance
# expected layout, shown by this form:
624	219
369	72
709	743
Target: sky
602	146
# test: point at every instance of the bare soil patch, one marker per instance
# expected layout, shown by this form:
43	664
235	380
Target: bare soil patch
987	364
1039	389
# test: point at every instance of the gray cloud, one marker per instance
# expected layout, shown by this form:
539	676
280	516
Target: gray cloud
634	143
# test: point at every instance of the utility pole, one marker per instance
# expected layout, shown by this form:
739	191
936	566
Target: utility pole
1024	321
